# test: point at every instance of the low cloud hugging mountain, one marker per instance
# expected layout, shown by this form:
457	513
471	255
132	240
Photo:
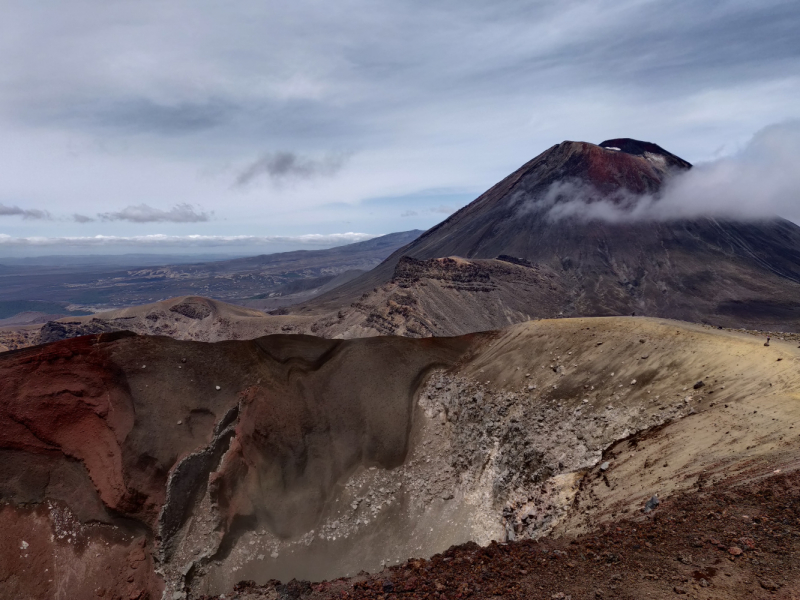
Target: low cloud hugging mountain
760	181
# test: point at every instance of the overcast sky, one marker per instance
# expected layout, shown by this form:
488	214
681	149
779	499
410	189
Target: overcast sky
150	121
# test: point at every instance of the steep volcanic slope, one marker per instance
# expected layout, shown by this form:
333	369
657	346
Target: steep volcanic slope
737	274
132	465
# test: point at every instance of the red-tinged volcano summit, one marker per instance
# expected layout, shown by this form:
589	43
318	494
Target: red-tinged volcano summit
722	271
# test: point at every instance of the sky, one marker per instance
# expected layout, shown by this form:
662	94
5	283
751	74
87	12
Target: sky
251	126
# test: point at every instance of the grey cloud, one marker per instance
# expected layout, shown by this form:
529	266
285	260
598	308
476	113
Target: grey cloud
286	166
145	115
82	218
760	181
409	213
142	213
30	213
246	69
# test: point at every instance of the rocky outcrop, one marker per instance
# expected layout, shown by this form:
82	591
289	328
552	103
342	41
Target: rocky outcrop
53	331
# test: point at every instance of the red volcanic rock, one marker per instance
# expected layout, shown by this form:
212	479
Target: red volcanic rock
45	552
69	399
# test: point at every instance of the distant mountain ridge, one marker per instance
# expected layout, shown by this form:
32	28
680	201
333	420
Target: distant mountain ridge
230	279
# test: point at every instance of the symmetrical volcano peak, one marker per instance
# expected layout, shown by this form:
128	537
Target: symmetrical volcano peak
613	166
705	269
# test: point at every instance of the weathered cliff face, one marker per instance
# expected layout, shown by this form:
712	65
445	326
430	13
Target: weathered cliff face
129	436
148	467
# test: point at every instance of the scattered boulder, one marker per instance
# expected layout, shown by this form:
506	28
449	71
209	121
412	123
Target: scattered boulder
652	503
699	384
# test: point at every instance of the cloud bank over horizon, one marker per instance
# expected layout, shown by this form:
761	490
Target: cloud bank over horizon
155	241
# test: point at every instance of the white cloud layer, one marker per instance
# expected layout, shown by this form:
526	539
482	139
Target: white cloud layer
193	241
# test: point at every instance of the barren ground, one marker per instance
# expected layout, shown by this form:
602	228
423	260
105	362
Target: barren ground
737	540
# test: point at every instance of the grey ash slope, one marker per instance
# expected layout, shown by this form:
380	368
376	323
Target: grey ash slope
726	272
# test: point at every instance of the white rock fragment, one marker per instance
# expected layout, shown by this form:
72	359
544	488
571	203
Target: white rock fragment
23	545
218	388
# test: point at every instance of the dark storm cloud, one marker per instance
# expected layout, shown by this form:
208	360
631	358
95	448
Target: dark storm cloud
29	213
286	166
142	213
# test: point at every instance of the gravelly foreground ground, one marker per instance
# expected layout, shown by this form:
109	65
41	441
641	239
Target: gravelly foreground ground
739	540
